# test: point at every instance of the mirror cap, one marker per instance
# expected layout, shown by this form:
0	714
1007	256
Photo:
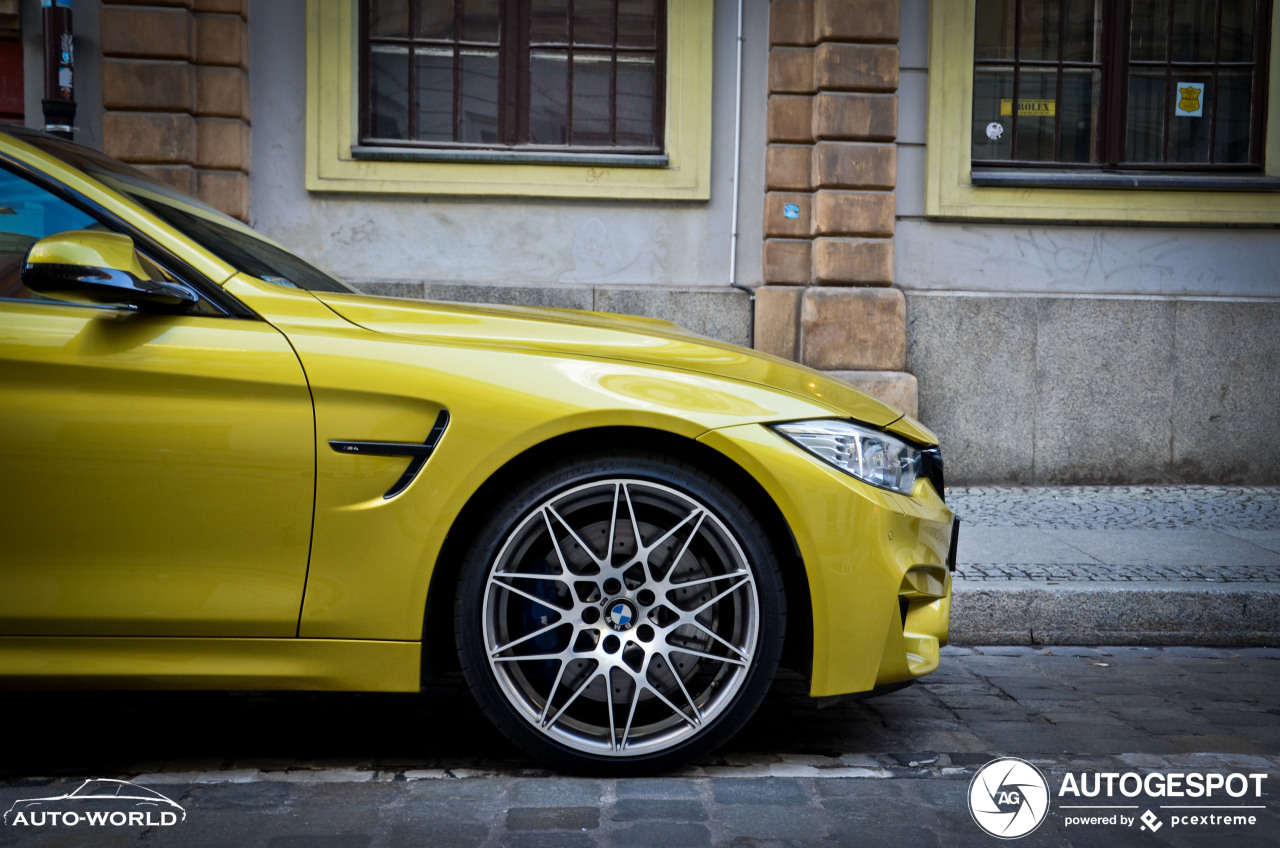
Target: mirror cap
87	266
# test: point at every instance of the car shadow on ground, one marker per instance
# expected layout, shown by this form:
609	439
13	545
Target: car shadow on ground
111	732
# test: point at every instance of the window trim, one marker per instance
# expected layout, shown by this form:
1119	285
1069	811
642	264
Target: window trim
951	190
336	162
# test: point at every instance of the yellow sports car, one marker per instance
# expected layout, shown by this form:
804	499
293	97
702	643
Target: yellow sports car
222	468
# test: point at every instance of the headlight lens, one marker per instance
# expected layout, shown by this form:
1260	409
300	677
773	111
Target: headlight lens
870	455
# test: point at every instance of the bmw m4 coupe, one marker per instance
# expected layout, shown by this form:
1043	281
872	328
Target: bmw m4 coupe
224	469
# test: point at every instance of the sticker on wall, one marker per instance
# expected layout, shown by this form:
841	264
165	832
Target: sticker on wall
1190	99
995	129
790	210
1028	108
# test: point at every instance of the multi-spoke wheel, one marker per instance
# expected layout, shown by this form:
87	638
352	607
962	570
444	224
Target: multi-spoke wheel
621	613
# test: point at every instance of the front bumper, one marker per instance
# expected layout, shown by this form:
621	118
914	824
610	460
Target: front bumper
878	563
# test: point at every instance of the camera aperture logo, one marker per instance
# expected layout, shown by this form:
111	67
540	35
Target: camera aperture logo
1008	798
98	802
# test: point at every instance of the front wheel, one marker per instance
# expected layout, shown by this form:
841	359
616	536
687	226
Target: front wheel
622	613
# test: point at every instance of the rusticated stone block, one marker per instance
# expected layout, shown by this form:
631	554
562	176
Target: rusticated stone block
178	177
176	4
854	329
790	118
156	86
853	261
791	22
222	40
222	93
838	164
853	213
223	144
791	70
788	262
856	67
777	221
896	388
856	20
225	190
161	139
788	167
159	33
231	7
777	328
857	116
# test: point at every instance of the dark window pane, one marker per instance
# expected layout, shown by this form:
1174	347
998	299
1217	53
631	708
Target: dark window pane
480	21
992	138
434	68
1036	111
637	83
994	39
1039	29
637	22
1235	105
1144	136
1084	29
593	22
549	22
1079	115
478	111
1237	30
389	91
591	119
548	97
435	19
1193	30
389	18
1149	30
1189	133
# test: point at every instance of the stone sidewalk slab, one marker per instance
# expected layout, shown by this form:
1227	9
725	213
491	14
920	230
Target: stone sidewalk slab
1154	565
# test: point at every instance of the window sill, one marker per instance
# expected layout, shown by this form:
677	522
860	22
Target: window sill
513	157
1094	180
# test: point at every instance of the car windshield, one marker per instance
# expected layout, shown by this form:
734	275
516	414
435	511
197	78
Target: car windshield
220	234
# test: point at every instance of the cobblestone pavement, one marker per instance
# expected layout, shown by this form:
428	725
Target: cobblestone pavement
1124	534
1118	507
299	770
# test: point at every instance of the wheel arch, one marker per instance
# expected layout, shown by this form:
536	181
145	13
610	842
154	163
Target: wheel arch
438	652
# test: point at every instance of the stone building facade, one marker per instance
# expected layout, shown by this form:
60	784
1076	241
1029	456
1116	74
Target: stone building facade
1048	334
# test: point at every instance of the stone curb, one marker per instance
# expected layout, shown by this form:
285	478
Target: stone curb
1090	613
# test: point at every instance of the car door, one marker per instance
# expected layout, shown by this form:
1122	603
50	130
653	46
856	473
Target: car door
157	471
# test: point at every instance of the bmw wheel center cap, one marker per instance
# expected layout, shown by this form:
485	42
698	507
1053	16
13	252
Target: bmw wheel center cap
621	614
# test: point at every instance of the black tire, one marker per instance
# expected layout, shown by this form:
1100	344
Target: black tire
628	663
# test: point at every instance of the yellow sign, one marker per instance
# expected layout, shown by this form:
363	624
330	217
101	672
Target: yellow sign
1030	108
1190	99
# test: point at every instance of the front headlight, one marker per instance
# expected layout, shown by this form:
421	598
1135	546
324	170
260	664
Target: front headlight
870	455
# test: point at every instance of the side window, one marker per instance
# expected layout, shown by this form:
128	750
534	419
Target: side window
28	213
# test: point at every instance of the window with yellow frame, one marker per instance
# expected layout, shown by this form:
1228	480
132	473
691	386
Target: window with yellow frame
438	97
1139	110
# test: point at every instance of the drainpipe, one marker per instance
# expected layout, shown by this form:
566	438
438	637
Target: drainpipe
737	168
59	60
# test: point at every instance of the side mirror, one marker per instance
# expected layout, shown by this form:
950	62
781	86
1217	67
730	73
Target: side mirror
87	266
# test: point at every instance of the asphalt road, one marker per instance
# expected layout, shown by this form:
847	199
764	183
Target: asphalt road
332	771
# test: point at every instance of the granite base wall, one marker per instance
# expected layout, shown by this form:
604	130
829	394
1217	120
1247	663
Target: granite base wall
1099	390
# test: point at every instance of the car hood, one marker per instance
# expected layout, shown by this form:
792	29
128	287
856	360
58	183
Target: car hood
602	336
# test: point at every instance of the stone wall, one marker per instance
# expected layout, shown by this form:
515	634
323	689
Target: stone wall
175	89
829	208
1053	389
